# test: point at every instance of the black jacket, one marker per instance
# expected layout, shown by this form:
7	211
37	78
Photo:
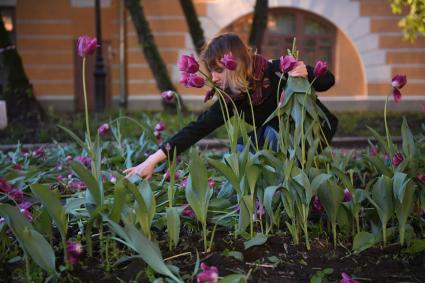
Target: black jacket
265	102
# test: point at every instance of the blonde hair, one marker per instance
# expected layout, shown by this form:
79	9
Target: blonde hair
238	80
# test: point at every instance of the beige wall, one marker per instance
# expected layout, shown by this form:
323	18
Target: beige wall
46	32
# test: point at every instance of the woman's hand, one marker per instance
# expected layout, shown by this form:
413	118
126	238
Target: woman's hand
145	169
300	70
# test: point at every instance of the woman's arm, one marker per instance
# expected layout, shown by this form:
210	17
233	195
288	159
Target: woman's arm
145	169
186	137
194	131
323	82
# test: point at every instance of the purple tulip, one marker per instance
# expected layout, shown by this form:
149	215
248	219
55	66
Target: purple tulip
16	194
421	177
209	274
260	209
168	96
229	61
85	160
60	178
167	175
113	179
287	63
74	250
397	159
24	209
77	185
5	186
210	93
18	166
211	182
347	279
396	95
320	68
317	205
347	195
192	80
187	211
39	151
188	64
103	129
159	127
423	107
399	81
373	151
183	183
86	45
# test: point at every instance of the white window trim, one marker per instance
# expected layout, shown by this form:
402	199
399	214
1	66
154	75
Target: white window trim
89	3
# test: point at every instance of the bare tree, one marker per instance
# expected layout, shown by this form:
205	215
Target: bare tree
16	89
150	49
259	24
195	28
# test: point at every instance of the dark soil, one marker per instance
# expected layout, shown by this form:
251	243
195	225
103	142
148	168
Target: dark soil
278	260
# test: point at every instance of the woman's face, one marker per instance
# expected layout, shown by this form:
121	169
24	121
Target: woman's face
218	77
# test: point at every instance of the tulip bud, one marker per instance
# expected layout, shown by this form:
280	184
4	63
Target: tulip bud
86	45
229	61
320	68
287	63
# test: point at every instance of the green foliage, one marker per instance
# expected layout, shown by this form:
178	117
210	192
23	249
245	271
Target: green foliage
31	241
414	21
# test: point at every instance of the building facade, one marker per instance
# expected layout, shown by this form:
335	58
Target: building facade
359	38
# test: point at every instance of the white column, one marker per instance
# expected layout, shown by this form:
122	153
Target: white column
3	115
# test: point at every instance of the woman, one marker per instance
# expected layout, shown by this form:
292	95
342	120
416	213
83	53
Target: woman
252	75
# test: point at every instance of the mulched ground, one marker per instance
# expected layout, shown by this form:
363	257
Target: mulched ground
277	261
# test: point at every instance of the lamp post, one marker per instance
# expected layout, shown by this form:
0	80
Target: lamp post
99	71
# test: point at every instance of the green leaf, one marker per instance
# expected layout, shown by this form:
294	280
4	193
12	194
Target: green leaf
363	240
53	206
344	178
147	250
379	165
75	137
173	225
319	180
379	138
31	241
409	147
119	200
227	172
89	180
245	212
399	185
234	278
417	246
258	240
251	173
269	193
382	196
331	197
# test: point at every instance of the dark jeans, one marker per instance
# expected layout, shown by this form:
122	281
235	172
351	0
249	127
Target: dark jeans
264	133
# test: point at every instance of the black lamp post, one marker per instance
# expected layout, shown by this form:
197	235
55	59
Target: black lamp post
99	71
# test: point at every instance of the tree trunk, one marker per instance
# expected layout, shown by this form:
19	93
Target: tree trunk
150	50
259	24
195	28
16	90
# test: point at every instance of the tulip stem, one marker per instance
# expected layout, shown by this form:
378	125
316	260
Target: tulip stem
85	102
27	267
253	120
387	131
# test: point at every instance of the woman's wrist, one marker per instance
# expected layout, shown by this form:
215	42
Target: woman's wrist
158	156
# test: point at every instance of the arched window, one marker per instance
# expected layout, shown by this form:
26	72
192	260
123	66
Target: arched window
315	37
